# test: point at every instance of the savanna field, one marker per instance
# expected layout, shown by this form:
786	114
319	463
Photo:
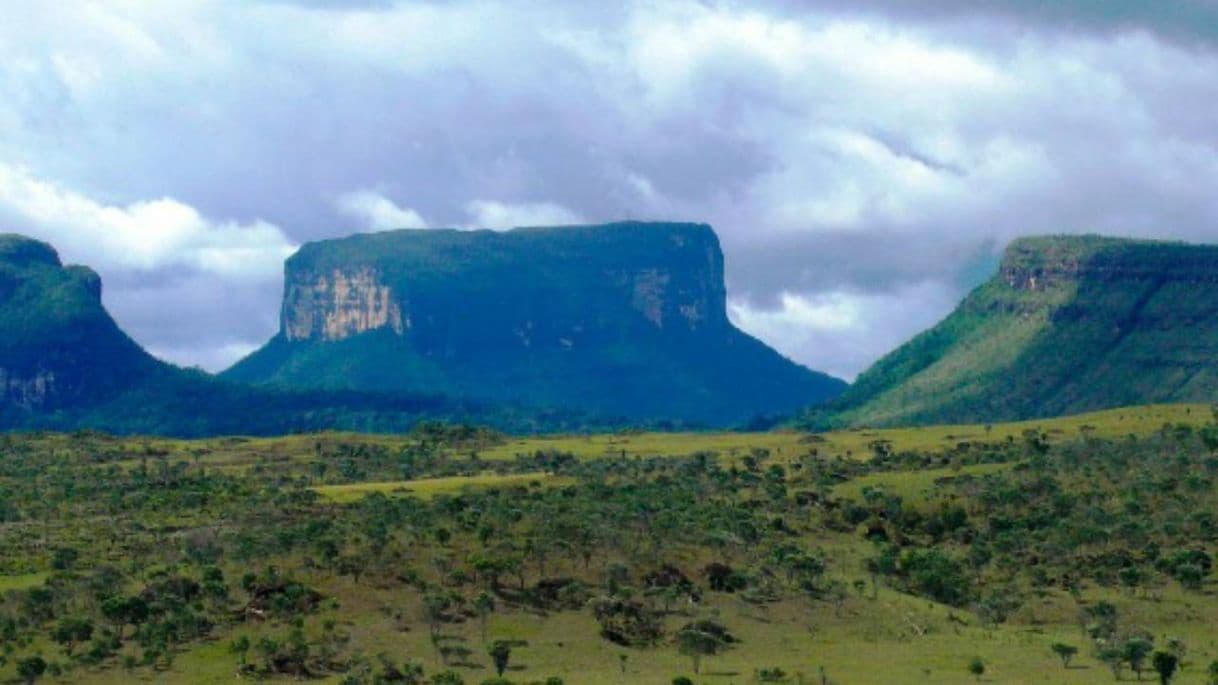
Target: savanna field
942	554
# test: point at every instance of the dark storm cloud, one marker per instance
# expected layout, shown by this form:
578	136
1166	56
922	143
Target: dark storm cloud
1189	21
864	162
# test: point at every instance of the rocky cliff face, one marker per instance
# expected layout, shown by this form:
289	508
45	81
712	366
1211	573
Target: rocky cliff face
339	304
1068	324
1042	264
27	392
616	318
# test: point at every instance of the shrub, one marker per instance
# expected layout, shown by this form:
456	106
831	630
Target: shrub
771	675
447	678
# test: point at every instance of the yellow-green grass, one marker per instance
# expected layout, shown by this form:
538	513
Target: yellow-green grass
913	486
857	442
21	582
430	487
893	639
239	454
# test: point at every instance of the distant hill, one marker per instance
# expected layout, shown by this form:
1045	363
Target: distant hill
1068	324
59	347
621	320
66	365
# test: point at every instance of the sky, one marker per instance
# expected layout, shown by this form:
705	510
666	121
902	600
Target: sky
864	162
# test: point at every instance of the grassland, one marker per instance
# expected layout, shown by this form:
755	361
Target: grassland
239	454
891	640
160	506
426	488
916	487
21	582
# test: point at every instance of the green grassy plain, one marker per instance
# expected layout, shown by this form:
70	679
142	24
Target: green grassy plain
430	487
892	638
21	582
1113	423
242	452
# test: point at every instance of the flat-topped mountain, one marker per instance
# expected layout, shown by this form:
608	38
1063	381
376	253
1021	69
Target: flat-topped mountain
1068	324
624	319
65	364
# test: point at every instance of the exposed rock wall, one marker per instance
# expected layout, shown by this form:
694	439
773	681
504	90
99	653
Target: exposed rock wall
338	304
27	392
1044	263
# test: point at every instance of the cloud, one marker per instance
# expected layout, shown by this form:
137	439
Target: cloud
865	158
847	329
162	263
378	213
144	235
1188	21
489	214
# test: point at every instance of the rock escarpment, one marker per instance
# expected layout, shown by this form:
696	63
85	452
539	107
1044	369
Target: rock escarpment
27	392
1068	324
338	304
627	319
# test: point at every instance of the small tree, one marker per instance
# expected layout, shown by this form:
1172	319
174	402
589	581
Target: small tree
696	644
435	608
484	603
122	611
1212	672
1135	652
1165	664
501	652
1113	658
1064	652
71	631
241	647
31	668
447	678
976	667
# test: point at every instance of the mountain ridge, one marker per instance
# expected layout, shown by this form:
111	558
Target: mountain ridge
1067	324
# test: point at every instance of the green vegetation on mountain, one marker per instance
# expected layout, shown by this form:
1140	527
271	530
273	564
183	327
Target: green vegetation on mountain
1069	324
625	320
66	365
58	347
1043	552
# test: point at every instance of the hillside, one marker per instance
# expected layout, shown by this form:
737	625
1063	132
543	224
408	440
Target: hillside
60	348
622	320
1068	324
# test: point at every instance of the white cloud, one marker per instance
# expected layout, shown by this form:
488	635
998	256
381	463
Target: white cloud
377	212
144	235
846	329
844	155
180	277
490	214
